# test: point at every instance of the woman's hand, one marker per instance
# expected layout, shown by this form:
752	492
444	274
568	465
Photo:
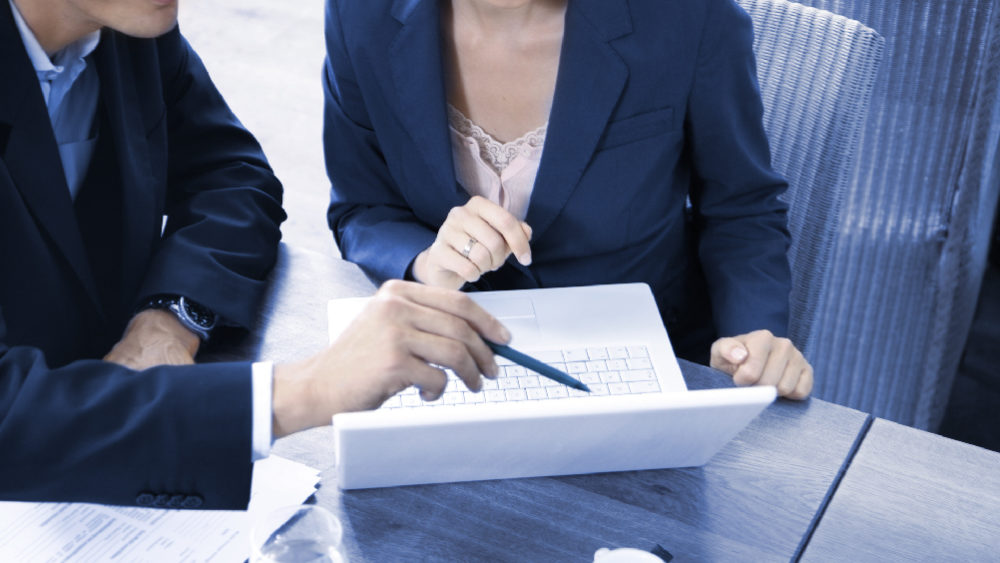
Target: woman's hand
475	238
760	358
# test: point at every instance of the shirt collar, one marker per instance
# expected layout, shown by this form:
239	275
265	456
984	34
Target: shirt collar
79	49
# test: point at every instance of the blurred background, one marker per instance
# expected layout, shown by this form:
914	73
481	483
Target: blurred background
265	57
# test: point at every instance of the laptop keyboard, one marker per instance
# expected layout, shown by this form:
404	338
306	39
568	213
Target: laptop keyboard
612	370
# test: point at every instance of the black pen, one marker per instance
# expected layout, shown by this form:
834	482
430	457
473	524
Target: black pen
536	366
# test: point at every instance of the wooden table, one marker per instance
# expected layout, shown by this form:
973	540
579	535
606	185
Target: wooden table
913	496
757	500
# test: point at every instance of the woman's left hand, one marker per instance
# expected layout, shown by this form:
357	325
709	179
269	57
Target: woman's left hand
760	358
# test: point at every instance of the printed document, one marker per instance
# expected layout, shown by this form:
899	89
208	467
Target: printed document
82	532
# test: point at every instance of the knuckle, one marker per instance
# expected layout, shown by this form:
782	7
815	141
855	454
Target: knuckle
806	381
470	272
457	328
744	377
785	387
508	223
459	301
391	304
498	249
454	354
393	287
462	330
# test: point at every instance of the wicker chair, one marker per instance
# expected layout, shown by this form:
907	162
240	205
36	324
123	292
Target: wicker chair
816	73
901	286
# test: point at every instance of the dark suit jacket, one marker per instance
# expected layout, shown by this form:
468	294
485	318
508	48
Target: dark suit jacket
73	428
655	101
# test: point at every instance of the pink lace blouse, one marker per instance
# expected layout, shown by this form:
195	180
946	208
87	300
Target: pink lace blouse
503	173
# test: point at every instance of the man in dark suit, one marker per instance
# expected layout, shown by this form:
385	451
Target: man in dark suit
108	123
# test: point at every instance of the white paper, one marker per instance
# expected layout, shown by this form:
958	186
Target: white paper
53	532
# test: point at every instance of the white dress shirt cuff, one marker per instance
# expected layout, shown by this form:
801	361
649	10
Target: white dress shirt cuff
262	375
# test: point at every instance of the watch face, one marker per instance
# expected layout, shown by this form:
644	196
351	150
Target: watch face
201	316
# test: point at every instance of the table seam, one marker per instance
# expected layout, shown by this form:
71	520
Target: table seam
848	460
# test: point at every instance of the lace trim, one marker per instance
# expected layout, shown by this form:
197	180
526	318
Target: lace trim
494	153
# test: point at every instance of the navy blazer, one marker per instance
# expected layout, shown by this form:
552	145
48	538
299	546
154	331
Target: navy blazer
73	428
656	101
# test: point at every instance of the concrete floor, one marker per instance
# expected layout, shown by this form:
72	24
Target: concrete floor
265	57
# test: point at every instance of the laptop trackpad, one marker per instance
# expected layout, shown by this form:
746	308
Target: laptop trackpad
516	313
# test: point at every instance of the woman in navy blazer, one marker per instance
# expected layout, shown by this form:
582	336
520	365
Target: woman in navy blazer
655	167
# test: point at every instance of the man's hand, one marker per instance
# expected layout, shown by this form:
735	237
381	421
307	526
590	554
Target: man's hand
397	340
475	238
760	358
154	337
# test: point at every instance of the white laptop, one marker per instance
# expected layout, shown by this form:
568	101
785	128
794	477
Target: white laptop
639	414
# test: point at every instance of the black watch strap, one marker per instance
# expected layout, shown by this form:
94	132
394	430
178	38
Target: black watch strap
195	317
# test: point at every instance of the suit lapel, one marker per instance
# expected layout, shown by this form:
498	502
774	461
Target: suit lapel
127	131
31	154
418	75
590	82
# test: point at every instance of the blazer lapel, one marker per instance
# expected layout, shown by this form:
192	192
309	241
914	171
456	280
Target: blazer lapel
126	128
418	75
590	81
31	154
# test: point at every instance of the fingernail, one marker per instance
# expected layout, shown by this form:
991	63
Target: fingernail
494	371
525	259
738	354
505	335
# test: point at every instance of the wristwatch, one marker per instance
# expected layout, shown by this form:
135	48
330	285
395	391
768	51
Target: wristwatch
195	317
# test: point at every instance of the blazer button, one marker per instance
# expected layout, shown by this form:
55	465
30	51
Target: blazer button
192	501
144	499
161	500
176	501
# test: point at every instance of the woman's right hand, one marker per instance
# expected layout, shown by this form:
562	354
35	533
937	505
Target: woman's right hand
475	238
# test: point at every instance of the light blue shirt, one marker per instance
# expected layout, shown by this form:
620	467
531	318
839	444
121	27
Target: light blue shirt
71	88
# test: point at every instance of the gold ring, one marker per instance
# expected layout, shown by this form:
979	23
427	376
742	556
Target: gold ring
468	247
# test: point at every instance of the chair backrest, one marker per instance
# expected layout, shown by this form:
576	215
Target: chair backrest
911	249
816	72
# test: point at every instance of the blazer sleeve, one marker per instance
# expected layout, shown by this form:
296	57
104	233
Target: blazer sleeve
223	201
367	210
91	431
742	225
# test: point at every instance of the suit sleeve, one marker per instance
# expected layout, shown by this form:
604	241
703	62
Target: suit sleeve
742	225
372	224
90	431
223	201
